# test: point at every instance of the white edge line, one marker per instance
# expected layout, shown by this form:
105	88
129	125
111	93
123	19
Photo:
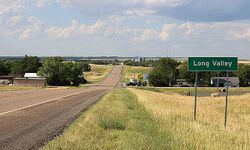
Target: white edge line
51	100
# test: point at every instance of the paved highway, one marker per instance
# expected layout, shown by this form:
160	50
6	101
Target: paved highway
29	119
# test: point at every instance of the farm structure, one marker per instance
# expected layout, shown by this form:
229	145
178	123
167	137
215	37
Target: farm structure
30	79
6	80
183	83
221	81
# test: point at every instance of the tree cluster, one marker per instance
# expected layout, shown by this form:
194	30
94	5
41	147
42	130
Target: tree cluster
29	64
86	67
60	73
5	67
167	71
54	69
163	75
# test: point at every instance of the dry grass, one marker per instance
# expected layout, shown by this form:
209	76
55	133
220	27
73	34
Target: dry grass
202	91
174	113
118	121
245	62
17	88
97	73
133	71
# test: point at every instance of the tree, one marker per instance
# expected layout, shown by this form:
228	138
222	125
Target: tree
244	74
60	73
163	75
51	70
185	74
29	64
86	67
5	68
71	73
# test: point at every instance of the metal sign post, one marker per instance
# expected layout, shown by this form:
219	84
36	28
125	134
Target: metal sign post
226	107
203	64
195	97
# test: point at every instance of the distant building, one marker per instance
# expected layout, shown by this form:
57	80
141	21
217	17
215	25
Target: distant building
6	80
30	79
138	59
221	81
182	83
31	76
145	76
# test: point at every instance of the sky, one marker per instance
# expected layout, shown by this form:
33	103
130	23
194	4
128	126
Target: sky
177	28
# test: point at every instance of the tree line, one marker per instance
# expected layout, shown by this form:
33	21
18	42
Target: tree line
166	71
55	69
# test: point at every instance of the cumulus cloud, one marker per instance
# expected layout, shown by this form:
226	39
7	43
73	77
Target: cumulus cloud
74	30
128	25
11	6
147	35
187	10
13	21
188	32
42	3
34	27
209	11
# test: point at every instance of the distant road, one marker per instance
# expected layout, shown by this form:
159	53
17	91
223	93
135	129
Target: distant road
30	118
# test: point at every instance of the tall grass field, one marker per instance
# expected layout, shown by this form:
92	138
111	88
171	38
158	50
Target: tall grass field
135	119
174	113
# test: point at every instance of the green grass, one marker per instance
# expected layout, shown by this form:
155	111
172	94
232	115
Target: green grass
118	121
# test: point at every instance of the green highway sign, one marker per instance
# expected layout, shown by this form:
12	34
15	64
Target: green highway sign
212	64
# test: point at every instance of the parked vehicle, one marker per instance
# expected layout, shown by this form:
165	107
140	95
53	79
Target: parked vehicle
132	82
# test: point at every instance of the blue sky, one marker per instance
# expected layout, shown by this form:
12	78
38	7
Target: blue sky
125	27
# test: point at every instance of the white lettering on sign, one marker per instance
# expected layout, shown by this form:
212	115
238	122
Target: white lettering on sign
222	63
214	63
201	64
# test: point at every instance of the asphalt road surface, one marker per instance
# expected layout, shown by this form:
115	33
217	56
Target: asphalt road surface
30	118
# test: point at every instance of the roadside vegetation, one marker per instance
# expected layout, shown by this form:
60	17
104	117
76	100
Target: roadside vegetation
97	73
133	71
140	119
174	114
17	88
118	121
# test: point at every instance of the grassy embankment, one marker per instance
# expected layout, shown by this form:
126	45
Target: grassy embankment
98	73
119	121
151	120
133	71
174	113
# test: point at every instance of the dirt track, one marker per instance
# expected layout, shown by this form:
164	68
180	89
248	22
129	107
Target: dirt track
30	118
